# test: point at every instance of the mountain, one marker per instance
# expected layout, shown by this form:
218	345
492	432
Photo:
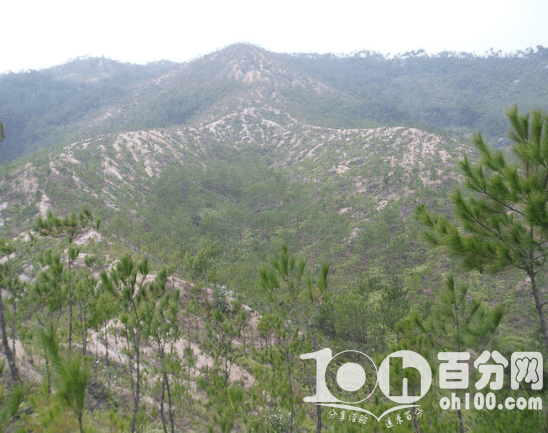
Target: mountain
36	106
248	171
95	70
457	91
450	91
241	75
210	169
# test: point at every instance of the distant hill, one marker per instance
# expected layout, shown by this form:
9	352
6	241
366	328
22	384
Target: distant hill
450	90
458	92
35	106
97	70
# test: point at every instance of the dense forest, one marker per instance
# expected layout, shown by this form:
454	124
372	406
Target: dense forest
175	237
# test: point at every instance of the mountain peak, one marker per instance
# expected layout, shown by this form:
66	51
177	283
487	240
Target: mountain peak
226	81
86	69
240	50
94	70
245	63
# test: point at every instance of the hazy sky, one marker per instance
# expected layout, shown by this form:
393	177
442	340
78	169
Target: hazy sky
37	34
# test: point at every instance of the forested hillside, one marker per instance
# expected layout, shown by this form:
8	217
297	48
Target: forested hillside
449	91
184	233
36	105
455	92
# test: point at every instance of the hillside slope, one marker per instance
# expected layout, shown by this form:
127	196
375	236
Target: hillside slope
451	91
213	171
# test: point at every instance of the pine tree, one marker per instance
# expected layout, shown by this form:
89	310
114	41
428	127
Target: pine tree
299	299
503	222
164	328
5	276
71	375
137	301
48	295
69	228
460	322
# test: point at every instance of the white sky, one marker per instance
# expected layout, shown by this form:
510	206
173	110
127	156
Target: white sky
36	34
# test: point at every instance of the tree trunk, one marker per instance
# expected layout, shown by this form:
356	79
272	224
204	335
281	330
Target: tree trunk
170	404
70	320
243	334
416	423
461	424
540	311
319	418
162	405
290	397
84	330
96	363
107	361
70	310
48	373
5	343
539	307
318	407
137	382
81	422
14	326
161	355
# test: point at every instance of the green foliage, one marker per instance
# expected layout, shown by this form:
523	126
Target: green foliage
164	328
10	281
219	216
136	300
438	91
297	300
72	387
198	265
35	105
503	222
71	375
511	421
69	227
49	290
287	285
459	321
366	314
393	304
11	402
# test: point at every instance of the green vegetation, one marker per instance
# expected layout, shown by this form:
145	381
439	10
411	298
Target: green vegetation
448	91
42	108
504	223
230	247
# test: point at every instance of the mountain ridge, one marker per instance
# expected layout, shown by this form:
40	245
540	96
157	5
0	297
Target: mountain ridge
464	94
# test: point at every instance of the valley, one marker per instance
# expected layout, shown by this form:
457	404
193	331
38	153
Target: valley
193	229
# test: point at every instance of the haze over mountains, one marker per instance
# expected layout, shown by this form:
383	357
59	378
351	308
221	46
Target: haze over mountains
239	98
208	167
455	92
